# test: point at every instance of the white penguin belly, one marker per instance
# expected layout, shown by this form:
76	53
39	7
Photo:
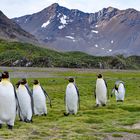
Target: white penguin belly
71	98
24	102
7	103
101	91
39	101
120	93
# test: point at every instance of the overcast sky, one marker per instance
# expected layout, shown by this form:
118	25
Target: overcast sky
16	8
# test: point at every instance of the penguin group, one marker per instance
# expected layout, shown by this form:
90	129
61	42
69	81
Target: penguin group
26	103
20	100
101	91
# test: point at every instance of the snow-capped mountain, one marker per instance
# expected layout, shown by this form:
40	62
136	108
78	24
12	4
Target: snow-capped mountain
107	32
10	30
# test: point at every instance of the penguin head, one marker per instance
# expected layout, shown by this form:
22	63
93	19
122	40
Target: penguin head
71	79
17	84
23	81
5	75
116	87
35	82
99	76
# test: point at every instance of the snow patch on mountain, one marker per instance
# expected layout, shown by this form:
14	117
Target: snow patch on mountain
63	20
112	41
94	31
96	45
59	15
70	37
25	20
44	25
61	27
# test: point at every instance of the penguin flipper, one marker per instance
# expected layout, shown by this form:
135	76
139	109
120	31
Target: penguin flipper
113	91
95	94
46	94
105	83
107	89
78	95
17	104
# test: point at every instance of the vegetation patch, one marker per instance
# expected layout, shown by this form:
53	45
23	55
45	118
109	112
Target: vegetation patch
117	135
90	123
28	55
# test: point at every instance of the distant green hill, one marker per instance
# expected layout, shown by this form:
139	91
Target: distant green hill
23	54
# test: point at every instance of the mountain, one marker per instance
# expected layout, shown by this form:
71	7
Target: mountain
9	30
108	32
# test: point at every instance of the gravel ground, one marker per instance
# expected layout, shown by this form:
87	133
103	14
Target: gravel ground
124	136
36	72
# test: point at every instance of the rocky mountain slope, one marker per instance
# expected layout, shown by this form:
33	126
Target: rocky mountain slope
107	32
11	31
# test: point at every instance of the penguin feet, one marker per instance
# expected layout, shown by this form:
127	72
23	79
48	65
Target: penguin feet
20	120
119	100
103	104
0	126
97	105
66	114
73	113
44	114
10	127
28	121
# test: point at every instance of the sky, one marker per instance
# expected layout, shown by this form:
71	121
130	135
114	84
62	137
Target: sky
17	8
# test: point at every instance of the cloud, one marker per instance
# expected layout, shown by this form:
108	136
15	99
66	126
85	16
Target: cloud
15	8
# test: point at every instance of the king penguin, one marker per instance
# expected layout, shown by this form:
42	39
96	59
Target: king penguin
25	100
72	98
101	91
119	90
39	98
7	101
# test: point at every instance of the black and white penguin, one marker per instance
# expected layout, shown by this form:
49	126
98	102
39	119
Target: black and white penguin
101	91
7	101
25	100
72	98
39	98
119	91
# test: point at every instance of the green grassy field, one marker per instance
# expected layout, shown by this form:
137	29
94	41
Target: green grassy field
114	121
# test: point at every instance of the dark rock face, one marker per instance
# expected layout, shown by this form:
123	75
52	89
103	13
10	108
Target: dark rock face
107	32
10	30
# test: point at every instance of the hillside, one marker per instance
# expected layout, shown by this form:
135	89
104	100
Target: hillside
109	31
23	54
11	31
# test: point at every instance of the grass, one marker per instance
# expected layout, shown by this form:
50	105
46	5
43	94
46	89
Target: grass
90	123
117	135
